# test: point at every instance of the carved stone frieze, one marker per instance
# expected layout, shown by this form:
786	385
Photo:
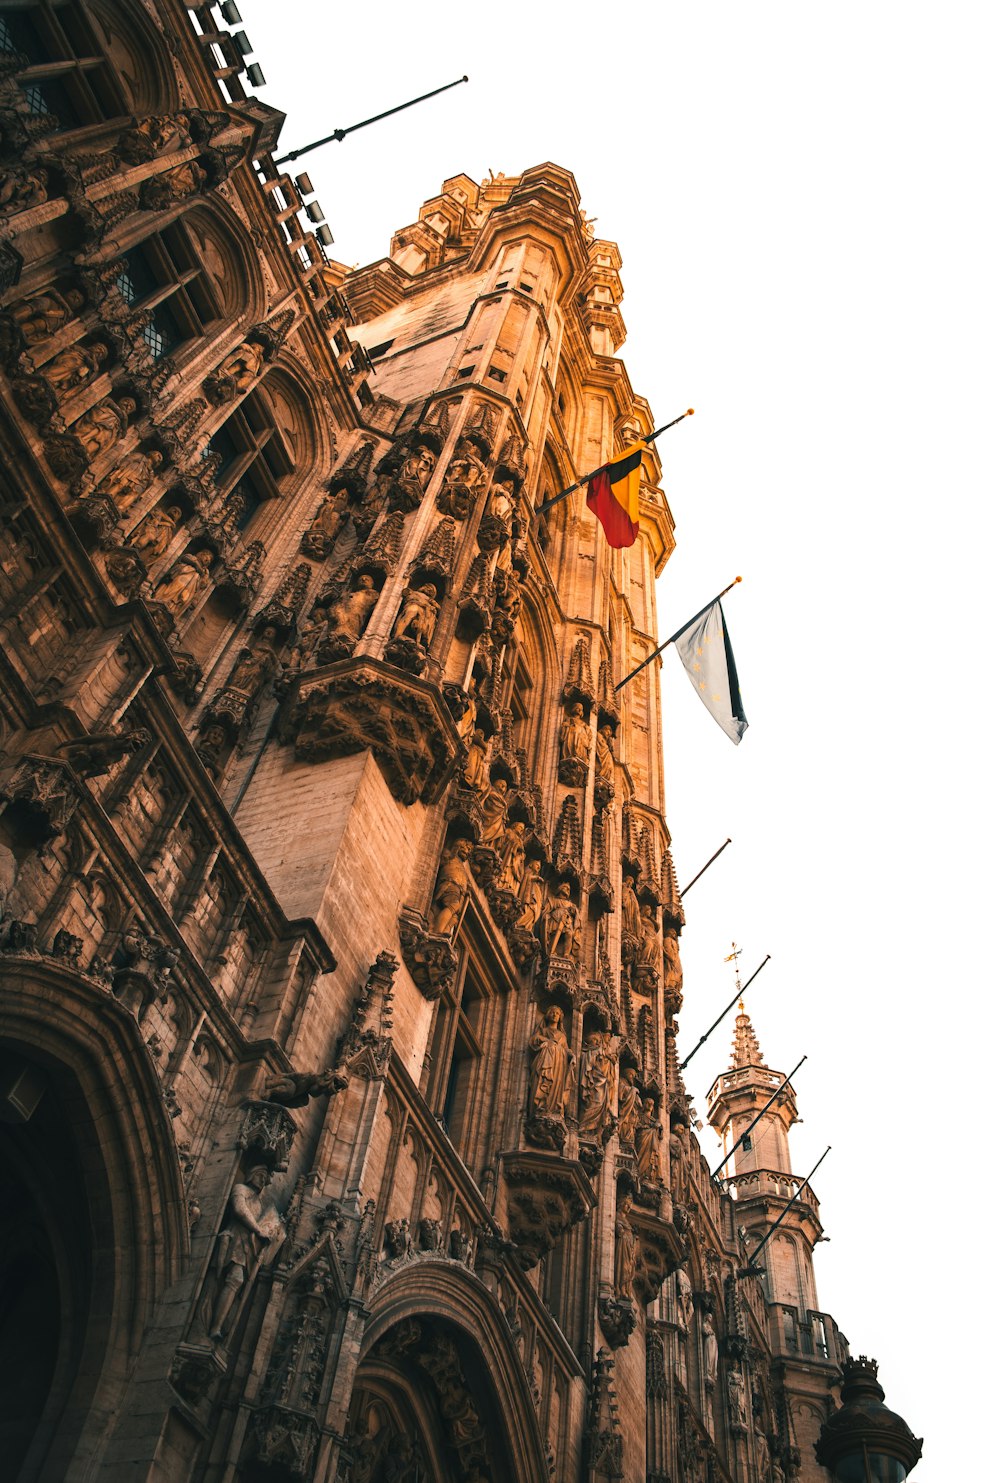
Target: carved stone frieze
361	703
546	1195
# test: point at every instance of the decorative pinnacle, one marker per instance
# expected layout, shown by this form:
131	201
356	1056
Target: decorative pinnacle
746	1050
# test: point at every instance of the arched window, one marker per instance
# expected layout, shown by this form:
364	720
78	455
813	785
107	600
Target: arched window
266	444
86	65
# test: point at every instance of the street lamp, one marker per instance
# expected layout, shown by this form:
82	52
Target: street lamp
863	1441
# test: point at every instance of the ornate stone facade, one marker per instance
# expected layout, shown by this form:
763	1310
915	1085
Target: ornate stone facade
340	1119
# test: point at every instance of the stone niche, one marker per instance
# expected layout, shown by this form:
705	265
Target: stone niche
358	704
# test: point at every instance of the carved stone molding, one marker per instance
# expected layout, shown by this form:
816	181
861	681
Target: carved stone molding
267	1134
284	1440
362	703
546	1195
617	1318
42	791
661	1252
429	956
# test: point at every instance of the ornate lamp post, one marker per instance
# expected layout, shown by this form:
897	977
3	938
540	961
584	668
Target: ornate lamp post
863	1441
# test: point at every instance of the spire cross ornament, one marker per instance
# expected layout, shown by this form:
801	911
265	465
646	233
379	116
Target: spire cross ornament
734	957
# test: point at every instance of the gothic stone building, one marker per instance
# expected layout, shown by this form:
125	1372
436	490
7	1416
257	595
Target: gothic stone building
342	1129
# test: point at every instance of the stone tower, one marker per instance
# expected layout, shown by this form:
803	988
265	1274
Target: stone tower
342	1133
758	1176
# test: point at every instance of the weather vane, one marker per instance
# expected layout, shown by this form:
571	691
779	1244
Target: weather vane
734	957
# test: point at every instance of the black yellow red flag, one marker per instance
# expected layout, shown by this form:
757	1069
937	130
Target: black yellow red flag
613	495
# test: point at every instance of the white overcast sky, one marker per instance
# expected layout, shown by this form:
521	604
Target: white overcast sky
805	201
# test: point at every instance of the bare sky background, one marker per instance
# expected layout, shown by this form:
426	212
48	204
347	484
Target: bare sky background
805	201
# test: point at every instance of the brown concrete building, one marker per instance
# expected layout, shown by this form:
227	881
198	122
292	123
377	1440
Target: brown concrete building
342	1133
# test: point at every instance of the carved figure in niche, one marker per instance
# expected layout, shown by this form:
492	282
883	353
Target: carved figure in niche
476	774
574	736
255	664
39	317
532	895
507	602
685	1301
679	1166
561	925
8	877
312	633
127	483
647	1143
349	615
238	371
174	185
551	1077
20	190
709	1348
451	890
413	476
605	757
512	859
326	525
294	1088
463	481
737	1388
495	813
628	1107
673	974
251	1225
501	500
418	615
155	136
626	1252
465	724
631	915
649	941
155	533
184	582
597	1083
75	367
104	425
213	747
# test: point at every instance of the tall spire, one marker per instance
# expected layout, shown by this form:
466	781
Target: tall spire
746	1050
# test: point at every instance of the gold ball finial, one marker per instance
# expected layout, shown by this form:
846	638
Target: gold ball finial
739	579
689	412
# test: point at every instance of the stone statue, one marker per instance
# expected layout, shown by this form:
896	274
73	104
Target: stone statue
551	1076
628	1107
626	1252
103	425
127	483
417	615
605	757
255	664
238	371
512	859
154	136
349	615
417	467
709	1348
326	524
39	317
251	1225
312	633
574	736
74	367
184	582
20	190
597	1083
155	533
679	1151
631	916
647	1143
462	481
673	974
685	1301
465	724
737	1388
476	774
495	812
8	877
532	895
649	940
501	500
294	1088
561	925
451	890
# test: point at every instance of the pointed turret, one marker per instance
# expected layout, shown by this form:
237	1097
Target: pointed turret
746	1047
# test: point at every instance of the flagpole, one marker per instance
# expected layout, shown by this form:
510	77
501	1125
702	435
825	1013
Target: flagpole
705	867
683	629
339	134
646	438
716	1023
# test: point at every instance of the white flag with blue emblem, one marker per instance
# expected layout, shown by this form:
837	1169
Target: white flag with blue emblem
707	655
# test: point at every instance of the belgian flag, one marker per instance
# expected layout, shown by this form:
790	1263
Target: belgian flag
613	496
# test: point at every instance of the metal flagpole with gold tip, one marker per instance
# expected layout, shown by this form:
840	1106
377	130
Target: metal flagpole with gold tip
683	629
